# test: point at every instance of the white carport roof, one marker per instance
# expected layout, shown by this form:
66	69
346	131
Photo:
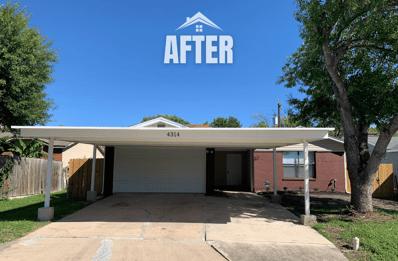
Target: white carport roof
187	137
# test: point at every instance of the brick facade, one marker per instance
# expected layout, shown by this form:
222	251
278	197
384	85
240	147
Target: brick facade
328	166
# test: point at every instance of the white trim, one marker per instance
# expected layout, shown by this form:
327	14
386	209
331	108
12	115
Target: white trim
157	120
191	129
49	170
93	168
306	178
252	170
114	169
103	175
336	139
275	171
195	137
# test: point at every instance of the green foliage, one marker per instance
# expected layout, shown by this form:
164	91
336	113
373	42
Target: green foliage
221	122
5	172
292	122
262	121
377	239
26	64
362	32
166	116
377	131
31	149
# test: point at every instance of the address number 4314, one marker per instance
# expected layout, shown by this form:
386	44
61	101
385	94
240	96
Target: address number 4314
173	134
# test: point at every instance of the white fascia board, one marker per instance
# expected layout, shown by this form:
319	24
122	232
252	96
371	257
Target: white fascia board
196	137
157	120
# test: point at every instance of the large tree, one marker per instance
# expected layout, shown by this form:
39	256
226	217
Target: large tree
26	64
221	122
347	68
166	116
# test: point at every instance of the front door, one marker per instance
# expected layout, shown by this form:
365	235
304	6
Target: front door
234	169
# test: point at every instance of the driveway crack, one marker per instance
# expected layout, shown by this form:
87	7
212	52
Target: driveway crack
145	224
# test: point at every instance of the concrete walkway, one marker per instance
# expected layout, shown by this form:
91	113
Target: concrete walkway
230	226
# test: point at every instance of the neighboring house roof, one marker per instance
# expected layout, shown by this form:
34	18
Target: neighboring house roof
156	122
336	139
393	146
197	125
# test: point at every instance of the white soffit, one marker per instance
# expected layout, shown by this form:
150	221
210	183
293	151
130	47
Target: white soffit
184	137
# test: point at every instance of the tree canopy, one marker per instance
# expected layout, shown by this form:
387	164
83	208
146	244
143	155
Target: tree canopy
347	69
262	121
221	122
26	65
166	116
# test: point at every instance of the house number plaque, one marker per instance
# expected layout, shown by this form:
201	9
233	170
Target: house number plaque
173	134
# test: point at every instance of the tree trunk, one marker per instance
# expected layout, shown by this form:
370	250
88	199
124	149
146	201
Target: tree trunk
361	193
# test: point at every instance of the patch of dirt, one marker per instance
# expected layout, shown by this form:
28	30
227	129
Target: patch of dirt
344	246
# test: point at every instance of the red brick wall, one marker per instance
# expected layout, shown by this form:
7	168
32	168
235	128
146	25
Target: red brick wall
328	166
56	157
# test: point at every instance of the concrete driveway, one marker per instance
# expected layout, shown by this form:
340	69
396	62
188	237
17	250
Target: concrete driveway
230	226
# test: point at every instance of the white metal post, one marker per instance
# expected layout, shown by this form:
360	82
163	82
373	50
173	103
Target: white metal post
275	182
93	169
49	170
103	175
306	179
251	171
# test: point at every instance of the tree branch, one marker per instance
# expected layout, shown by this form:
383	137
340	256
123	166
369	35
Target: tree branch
370	46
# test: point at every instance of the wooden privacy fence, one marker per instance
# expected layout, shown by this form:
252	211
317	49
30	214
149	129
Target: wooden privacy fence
383	185
29	177
80	177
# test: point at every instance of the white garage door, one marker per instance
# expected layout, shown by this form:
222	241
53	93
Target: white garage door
159	170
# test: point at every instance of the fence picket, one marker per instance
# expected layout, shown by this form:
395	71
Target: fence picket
28	177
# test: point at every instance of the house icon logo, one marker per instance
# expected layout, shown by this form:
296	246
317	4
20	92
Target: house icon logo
198	18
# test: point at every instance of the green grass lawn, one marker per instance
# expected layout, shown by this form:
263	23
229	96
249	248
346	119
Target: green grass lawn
378	233
18	217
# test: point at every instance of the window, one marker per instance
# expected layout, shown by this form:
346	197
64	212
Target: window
161	125
293	164
199	28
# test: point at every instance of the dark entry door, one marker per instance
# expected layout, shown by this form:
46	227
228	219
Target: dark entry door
234	169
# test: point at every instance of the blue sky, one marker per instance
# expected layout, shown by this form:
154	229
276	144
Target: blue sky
111	70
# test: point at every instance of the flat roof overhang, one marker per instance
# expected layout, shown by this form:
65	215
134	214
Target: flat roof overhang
187	137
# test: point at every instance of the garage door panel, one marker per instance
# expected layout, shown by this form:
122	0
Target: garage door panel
171	164
159	170
145	153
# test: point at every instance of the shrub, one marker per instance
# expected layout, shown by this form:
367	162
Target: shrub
285	189
301	188
316	189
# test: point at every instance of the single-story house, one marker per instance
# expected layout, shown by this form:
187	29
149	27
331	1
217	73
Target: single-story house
326	166
391	153
163	156
63	150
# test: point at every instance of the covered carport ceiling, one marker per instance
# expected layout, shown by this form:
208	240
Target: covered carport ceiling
179	137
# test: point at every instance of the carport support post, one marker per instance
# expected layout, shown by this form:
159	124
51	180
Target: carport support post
92	195
307	219
275	198
47	213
